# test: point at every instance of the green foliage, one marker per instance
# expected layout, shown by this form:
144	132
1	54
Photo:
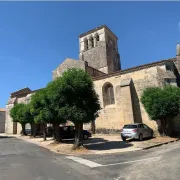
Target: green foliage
161	103
39	107
76	95
21	113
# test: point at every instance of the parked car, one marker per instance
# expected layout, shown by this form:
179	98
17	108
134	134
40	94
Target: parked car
136	131
68	132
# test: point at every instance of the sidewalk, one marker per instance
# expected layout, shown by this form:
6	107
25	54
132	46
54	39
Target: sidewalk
98	144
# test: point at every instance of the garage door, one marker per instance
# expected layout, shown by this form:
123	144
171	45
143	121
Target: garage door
2	127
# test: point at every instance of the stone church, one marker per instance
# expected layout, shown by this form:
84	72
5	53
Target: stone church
119	89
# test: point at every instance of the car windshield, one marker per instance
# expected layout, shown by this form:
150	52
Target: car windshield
130	126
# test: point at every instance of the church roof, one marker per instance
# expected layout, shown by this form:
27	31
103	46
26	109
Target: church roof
21	91
96	29
136	68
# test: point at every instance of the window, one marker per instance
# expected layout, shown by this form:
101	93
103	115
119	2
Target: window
108	94
140	126
85	44
91	42
146	127
130	126
97	37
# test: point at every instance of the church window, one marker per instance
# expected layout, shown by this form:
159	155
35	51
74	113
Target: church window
91	41
97	37
85	44
108	94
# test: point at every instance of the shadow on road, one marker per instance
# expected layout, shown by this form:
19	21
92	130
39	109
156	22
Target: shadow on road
1	137
102	144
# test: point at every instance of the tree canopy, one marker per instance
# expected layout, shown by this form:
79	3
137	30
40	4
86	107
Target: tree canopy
78	99
161	103
21	113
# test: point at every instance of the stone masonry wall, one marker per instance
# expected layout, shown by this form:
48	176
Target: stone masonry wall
9	125
96	57
67	64
114	116
93	72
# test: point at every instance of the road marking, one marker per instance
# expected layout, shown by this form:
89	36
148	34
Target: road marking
94	164
84	161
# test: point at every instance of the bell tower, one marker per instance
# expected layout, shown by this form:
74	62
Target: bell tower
99	48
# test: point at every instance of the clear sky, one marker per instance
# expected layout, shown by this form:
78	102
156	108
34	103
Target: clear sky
35	37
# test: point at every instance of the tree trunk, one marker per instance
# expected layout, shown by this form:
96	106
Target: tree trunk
44	132
34	130
23	129
54	131
93	127
57	132
163	127
78	142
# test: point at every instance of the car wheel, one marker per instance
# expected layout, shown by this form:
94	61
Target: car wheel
140	137
123	138
85	137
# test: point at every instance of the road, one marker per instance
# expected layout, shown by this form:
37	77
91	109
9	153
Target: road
20	160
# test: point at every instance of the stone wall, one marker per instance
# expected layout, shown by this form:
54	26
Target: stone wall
127	107
10	126
97	57
93	72
67	64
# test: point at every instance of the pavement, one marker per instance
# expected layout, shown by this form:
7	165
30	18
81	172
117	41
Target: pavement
98	144
21	160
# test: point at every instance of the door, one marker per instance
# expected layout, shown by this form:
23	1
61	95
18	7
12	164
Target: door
141	130
146	131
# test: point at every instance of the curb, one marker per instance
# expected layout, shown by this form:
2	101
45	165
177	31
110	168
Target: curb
160	144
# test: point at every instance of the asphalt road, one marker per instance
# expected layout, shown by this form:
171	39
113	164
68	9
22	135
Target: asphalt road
20	160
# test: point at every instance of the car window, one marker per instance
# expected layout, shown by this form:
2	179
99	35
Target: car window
65	128
140	126
72	128
145	126
130	126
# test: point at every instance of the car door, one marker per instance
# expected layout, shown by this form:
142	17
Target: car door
146	131
72	131
141	130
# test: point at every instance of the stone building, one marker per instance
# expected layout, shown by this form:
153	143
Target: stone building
119	89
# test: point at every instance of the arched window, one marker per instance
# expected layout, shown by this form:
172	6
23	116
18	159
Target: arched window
91	42
97	37
85	44
108	94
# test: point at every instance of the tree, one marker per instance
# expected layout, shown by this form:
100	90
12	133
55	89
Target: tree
20	113
29	118
56	107
39	108
78	99
93	124
162	104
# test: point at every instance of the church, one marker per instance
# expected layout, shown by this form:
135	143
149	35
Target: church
119	89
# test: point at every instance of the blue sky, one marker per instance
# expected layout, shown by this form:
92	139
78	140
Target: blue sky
35	37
